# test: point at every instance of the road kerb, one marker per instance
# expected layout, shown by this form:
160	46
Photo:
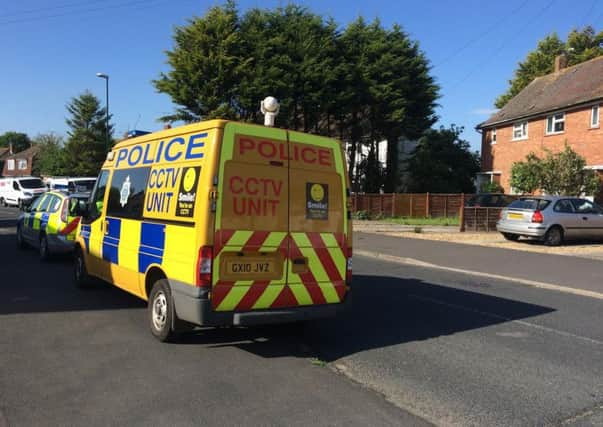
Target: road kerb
527	282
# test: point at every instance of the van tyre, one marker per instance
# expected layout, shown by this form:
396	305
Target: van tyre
553	236
3	202
81	278
160	311
44	252
511	237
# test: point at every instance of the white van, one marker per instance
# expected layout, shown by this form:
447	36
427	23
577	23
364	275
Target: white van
20	191
71	184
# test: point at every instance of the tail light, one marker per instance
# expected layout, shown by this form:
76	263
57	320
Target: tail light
537	217
70	227
500	214
65	210
348	268
204	266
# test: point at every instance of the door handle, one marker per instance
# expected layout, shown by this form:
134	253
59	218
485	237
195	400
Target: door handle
585	218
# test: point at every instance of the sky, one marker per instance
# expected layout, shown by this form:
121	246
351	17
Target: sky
51	51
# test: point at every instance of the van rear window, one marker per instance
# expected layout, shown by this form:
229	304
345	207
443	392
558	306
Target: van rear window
530	204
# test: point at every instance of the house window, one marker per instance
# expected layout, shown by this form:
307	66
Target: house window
520	131
555	123
493	137
10	164
594	117
22	164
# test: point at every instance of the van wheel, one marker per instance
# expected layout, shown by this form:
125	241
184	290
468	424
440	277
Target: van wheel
20	241
44	252
19	203
3	202
81	278
554	236
160	311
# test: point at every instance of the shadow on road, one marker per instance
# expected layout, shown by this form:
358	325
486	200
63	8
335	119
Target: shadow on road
385	311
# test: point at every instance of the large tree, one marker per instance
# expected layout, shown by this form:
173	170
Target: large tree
363	84
19	141
206	67
580	46
86	146
442	163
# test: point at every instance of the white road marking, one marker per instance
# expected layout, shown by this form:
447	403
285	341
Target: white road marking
507	319
527	282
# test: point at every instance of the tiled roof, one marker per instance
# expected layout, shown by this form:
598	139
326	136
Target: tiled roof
3	152
571	86
29	152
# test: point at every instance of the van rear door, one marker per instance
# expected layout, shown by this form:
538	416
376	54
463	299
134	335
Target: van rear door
252	219
317	220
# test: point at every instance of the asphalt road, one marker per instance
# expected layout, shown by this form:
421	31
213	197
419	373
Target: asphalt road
452	349
86	358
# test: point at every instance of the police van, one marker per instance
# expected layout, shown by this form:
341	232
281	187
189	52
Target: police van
221	223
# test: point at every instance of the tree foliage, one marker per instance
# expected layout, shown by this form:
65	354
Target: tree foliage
362	84
20	141
526	177
560	173
580	46
442	163
86	147
50	159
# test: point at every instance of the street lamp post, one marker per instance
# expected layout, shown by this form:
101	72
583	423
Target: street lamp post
106	77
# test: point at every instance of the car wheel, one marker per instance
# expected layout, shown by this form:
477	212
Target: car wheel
20	241
553	236
44	252
160	311
511	237
81	278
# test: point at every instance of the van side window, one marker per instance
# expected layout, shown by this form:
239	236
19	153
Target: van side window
16	186
98	195
126	196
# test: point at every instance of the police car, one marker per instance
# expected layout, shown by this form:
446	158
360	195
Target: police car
50	222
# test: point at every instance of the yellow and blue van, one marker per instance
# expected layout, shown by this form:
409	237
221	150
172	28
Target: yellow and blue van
221	223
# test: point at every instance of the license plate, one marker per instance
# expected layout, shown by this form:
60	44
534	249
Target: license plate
250	267
514	216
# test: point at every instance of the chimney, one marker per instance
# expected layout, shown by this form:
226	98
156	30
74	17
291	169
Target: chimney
10	148
560	62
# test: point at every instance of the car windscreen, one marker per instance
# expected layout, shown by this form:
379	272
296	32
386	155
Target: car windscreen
31	183
529	204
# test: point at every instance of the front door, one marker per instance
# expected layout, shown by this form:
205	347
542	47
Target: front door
93	227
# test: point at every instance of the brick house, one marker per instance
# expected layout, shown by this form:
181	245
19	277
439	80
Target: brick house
562	106
20	164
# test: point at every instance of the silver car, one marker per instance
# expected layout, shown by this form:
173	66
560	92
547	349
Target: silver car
551	219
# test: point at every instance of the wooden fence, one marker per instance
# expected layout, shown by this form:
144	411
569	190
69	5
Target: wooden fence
479	219
409	205
427	205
